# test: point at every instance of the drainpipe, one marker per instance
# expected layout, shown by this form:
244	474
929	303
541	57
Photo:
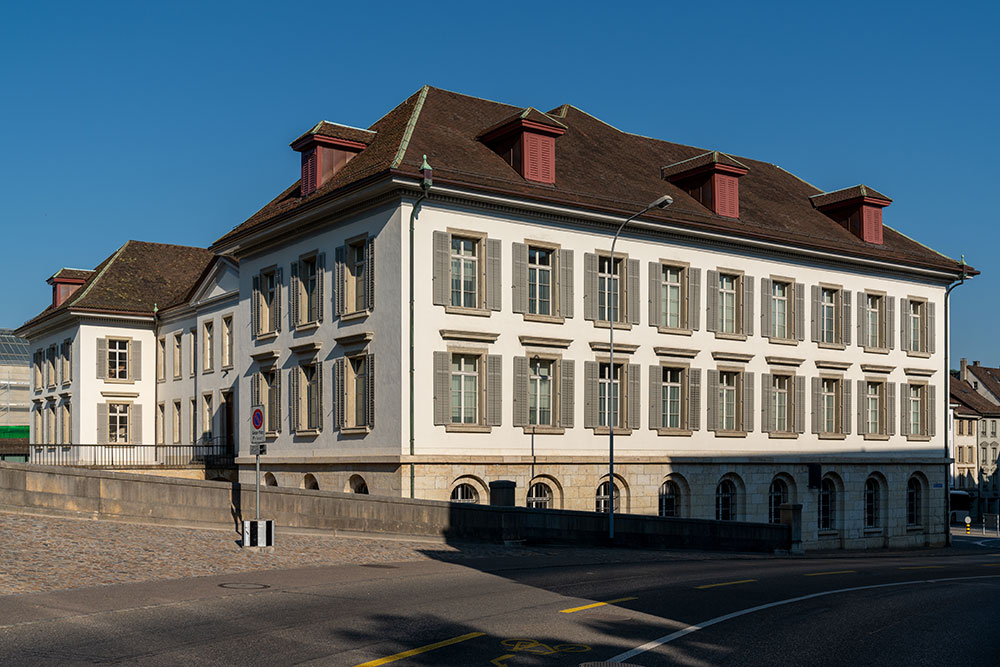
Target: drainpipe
425	186
947	399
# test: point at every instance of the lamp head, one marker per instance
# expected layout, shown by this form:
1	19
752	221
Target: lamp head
662	202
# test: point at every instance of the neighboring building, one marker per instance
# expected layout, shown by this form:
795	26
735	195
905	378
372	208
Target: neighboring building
15	404
986	381
973	415
774	343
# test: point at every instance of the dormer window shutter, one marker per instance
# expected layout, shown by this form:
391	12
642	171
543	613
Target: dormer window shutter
712	178
527	142
310	158
857	209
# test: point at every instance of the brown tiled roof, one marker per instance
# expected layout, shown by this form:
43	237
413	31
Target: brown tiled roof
846	194
71	274
337	131
712	157
597	167
971	401
137	277
531	113
990	377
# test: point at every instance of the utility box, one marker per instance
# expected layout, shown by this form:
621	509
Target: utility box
258	533
502	493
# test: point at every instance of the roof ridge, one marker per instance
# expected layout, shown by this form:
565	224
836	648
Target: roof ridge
93	281
408	132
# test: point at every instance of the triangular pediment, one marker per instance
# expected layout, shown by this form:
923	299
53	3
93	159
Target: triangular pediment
221	280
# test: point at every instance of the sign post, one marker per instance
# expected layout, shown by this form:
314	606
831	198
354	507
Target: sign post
258	443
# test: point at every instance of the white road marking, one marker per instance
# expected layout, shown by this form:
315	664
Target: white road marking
666	639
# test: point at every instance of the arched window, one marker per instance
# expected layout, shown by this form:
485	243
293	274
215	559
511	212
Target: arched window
776	497
464	493
670	499
725	501
871	502
540	496
913	498
269	480
603	498
358	485
309	482
827	504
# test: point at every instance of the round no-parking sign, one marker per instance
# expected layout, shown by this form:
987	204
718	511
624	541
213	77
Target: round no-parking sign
257	436
258	418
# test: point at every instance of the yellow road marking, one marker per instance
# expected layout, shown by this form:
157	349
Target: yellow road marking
596	604
991	564
418	651
923	567
822	574
727	583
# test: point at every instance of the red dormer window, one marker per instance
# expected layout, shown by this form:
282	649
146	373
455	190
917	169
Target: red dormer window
527	142
325	150
857	209
711	178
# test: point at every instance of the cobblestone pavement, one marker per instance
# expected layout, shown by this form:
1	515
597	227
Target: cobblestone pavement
39	554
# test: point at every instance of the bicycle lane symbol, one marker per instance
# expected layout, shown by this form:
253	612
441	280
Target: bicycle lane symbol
535	647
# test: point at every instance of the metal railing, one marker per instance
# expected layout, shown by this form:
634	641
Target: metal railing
210	453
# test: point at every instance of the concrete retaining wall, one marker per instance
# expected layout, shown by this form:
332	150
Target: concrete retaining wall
103	494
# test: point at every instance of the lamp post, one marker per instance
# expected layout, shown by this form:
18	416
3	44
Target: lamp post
661	202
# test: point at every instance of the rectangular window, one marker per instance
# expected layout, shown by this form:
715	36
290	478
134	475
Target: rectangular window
269	398
916	409
609	282
50	423
828	315
160	422
117	359
268	302
609	395
356	408
193	366
207	415
728	303
829	412
50	366
671	397
227	341
464	272
118	422
357	276
208	346
67	362
308	291
780	309
176	432
465	388
161	361
729	382
67	423
178	345
917	322
540	392
36	374
193	414
540	261
781	404
309	397
874	397
874	305
671	302
993	428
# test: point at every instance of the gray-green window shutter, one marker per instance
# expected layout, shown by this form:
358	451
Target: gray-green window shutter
255	389
800	404
277	398
590	407
339	298
255	306
800	311
135	360
566	283
320	286
442	269
293	398
102	425
890	408
442	388
931	404
748	410
817	403
102	359
862	339
294	292
632	279
370	387
748	307
494	389
339	390
765	307
634	396
814	316
845	405
693	299
370	273
904	421
590	286
930	328
712	401
519	280
712	303
845	296
890	324
319	395
135	412
694	399
494	297
766	417
567	396
655	274
904	325
862	422
655	396
276	311
520	390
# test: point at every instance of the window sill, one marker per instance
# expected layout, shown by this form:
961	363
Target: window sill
674	432
474	312
550	319
828	533
675	332
178	377
160	380
876	436
307	432
207	371
356	315
466	428
875	350
730	434
832	436
355	430
116	381
918	438
306	327
51	387
604	324
227	367
918	355
271	434
782	435
915	529
67	383
729	336
266	336
831	346
871	532
543	430
782	341
604	430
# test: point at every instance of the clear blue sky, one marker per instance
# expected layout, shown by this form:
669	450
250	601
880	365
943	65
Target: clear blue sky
171	123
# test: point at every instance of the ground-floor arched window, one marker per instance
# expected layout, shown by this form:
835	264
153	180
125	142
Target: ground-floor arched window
602	500
914	491
871	502
358	485
464	493
725	501
777	496
670	499
540	496
827	504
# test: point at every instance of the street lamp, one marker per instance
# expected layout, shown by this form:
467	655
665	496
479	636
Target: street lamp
661	202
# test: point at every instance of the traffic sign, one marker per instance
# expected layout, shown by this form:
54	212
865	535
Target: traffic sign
257	436
258	450
968	519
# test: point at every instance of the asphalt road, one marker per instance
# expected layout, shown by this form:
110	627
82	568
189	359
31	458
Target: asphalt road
925	608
